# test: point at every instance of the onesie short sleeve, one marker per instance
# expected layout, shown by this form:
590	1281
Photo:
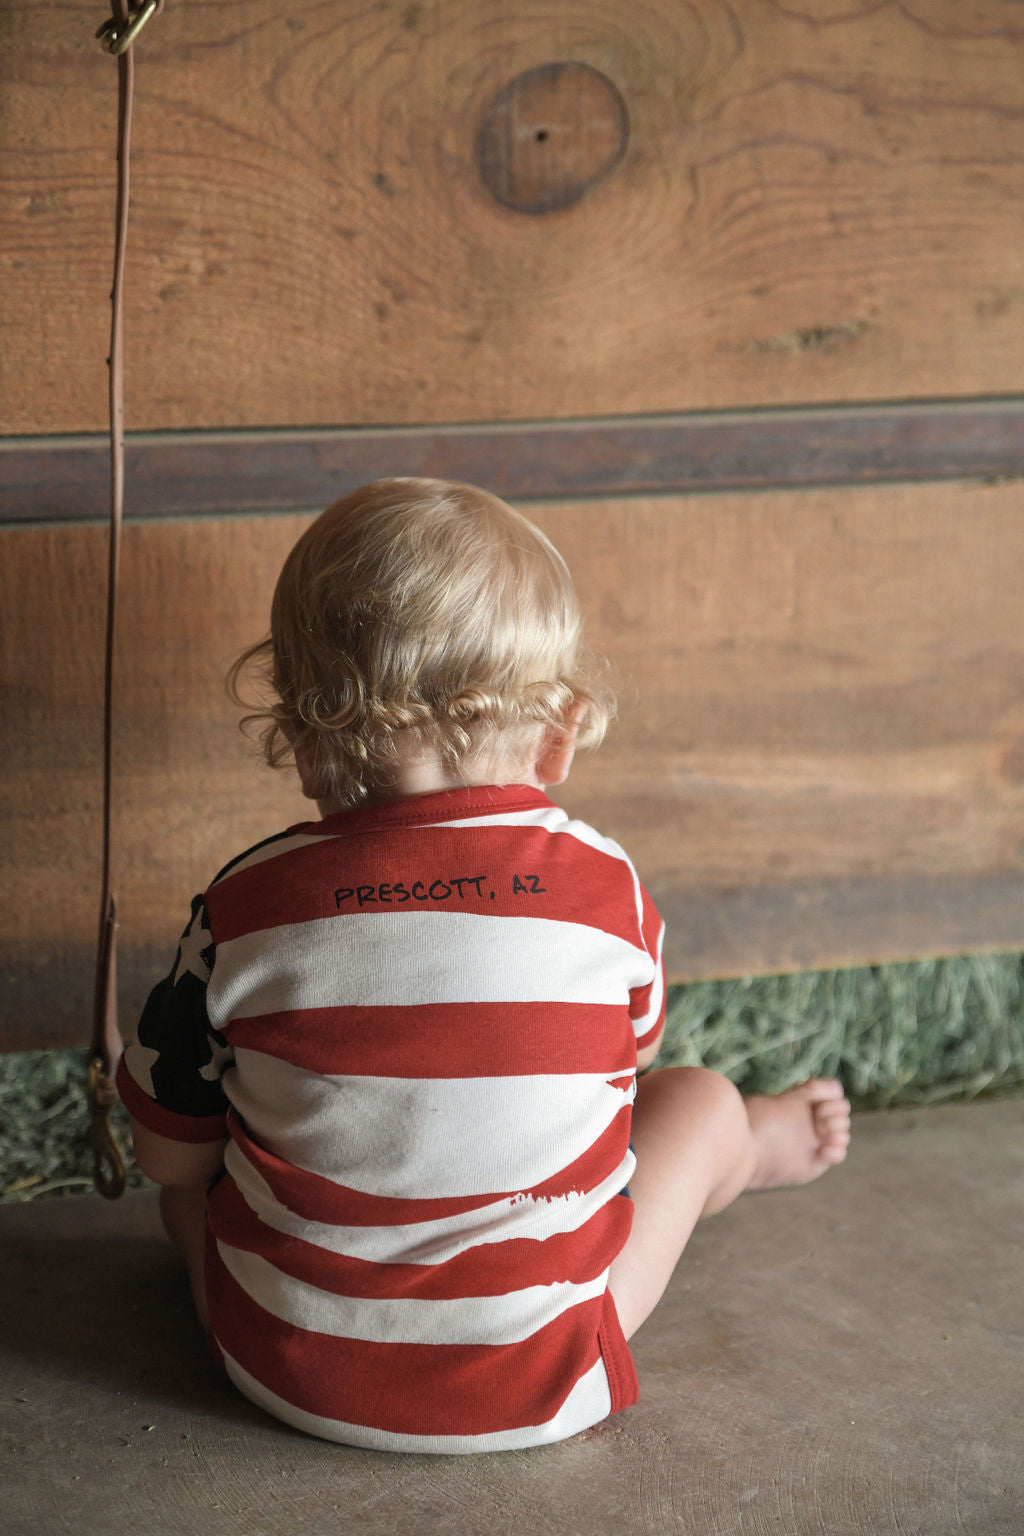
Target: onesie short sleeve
169	1077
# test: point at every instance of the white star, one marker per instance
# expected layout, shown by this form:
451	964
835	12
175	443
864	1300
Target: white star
223	1056
194	940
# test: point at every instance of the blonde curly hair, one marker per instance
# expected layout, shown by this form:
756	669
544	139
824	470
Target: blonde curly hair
424	611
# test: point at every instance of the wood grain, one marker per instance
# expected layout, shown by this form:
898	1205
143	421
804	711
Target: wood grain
815	204
819	759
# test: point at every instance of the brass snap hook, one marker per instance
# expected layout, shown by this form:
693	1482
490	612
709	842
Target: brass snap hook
108	1164
117	37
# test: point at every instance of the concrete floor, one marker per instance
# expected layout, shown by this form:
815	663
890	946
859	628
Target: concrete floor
842	1360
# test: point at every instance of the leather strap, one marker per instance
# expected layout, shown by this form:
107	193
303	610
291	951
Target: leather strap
118	35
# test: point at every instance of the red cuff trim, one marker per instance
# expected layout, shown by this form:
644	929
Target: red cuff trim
166	1122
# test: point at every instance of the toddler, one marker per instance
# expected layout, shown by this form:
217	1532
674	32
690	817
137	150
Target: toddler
390	1085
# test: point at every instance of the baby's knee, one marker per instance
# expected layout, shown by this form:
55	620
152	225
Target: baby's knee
717	1092
696	1093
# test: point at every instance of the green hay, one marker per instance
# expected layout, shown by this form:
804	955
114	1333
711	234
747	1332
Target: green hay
917	1033
896	1034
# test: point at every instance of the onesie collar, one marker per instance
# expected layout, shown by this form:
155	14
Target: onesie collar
428	810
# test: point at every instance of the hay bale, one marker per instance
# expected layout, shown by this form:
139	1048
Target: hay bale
916	1033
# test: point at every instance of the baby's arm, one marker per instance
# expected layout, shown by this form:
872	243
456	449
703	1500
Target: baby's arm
176	1162
184	1169
645	1058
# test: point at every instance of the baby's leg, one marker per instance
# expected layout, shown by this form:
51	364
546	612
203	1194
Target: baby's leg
699	1144
183	1208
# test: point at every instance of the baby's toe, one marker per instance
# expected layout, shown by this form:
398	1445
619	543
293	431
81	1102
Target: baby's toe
821	1090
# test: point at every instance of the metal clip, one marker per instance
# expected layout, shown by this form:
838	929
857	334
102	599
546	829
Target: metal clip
108	1164
117	37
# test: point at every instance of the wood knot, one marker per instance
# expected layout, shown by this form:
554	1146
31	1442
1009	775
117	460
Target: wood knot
549	135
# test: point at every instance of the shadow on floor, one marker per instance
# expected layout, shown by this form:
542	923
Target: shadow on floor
93	1292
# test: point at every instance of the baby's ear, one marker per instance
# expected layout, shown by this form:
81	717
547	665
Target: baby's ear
303	762
558	748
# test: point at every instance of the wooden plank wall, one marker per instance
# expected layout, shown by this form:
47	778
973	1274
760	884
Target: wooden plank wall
430	236
816	202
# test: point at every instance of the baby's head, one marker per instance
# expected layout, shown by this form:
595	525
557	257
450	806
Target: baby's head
422	618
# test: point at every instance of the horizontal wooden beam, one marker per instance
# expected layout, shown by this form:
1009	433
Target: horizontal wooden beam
183	474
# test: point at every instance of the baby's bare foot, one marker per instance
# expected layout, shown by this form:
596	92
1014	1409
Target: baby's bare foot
798	1134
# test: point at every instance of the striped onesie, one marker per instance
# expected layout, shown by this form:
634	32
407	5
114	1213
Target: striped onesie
417	1024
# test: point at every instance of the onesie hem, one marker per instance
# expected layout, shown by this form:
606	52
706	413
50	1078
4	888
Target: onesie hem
623	1385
